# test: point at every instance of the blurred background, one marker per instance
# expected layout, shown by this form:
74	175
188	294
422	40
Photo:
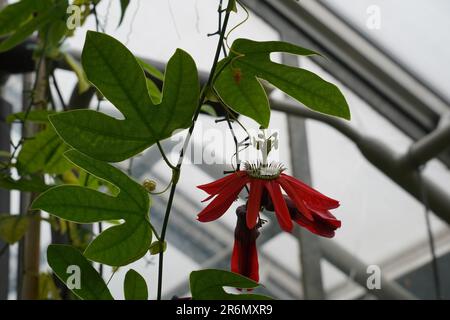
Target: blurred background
388	166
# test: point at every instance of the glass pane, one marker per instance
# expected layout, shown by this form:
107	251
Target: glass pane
414	31
155	29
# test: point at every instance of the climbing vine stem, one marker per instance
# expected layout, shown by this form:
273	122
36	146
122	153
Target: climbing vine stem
203	94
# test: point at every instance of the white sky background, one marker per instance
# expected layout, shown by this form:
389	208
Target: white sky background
379	219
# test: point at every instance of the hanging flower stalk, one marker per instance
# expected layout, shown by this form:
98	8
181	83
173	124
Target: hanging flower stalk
244	259
265	181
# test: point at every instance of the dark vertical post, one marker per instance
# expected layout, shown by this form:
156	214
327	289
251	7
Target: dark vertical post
310	255
25	197
5	109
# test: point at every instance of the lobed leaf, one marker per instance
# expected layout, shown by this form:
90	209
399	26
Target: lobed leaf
238	81
45	152
116	73
118	245
38	116
63	258
25	184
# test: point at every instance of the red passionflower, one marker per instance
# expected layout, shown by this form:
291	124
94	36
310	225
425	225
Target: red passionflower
309	208
244	259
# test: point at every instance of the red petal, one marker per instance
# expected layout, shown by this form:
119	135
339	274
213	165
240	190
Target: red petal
210	214
315	228
217	207
281	210
327	217
296	198
223	201
215	187
311	196
318	226
254	202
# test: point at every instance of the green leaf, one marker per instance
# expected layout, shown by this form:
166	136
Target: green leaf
89	181
232	6
64	260
239	87
13	227
208	285
14	15
118	245
83	82
44	5
57	30
112	68
76	176
38	116
23	33
43	17
135	287
45	152
153	91
123	6
33	184
157	247
47	287
151	70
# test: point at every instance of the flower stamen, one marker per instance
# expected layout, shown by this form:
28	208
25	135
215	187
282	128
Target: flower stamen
259	170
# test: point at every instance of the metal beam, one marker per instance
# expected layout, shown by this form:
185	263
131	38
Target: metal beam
349	264
431	145
310	255
5	110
